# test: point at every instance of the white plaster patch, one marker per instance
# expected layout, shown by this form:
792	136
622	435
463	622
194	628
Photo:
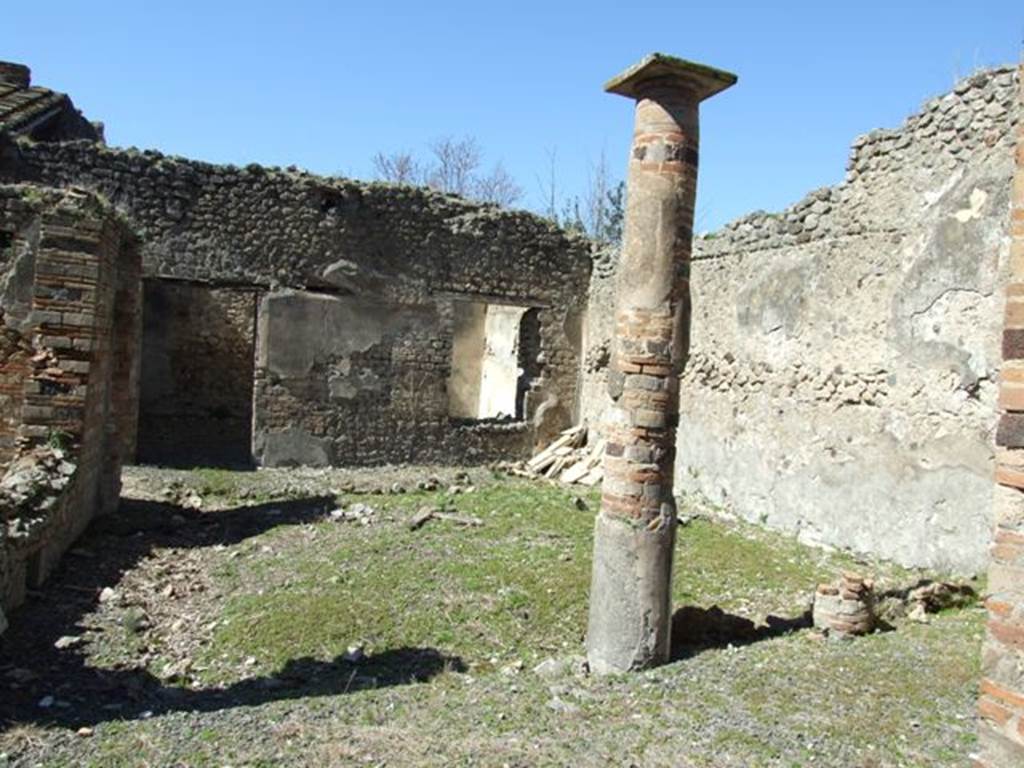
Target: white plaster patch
973	211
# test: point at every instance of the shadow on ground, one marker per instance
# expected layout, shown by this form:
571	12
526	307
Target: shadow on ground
33	670
697	629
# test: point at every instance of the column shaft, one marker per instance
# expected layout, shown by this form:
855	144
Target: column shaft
630	599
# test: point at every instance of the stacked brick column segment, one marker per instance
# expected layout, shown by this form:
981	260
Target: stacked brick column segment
1001	701
630	606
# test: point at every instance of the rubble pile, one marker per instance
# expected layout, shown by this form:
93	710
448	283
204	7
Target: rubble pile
31	488
569	459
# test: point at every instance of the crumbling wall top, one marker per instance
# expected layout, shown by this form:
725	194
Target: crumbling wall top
888	169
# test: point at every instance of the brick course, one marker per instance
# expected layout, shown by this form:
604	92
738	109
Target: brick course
1001	703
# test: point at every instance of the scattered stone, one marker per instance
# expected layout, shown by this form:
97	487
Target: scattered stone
360	513
939	595
354	654
551	668
422	517
176	670
463	520
46	702
562	706
919	614
512	669
427	514
430	484
107	595
84	732
67	641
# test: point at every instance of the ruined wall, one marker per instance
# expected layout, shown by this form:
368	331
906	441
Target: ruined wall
1001	705
70	300
840	383
409	252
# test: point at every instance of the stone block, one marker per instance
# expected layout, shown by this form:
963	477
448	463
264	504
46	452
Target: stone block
1008	507
1010	432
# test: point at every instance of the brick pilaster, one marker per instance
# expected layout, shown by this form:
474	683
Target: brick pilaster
1001	700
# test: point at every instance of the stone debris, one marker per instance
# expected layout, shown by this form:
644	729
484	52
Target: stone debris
430	484
178	493
568	459
354	654
426	514
107	595
513	669
421	517
360	513
31	488
936	596
918	602
550	668
67	641
846	609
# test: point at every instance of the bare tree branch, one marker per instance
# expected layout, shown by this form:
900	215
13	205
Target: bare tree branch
454	169
455	164
548	187
398	167
498	187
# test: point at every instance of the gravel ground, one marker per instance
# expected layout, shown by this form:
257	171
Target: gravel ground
293	618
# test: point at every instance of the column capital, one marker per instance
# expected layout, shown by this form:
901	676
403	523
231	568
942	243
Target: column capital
660	69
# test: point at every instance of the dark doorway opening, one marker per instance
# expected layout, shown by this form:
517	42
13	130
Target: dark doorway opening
198	344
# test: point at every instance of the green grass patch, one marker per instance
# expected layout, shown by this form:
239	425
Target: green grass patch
513	588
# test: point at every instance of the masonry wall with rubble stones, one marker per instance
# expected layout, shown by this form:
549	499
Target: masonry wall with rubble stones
69	293
1001	704
843	352
316	250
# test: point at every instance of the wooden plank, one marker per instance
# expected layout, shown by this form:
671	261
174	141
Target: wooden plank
574	473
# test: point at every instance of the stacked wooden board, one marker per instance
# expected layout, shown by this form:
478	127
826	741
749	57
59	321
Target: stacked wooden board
569	459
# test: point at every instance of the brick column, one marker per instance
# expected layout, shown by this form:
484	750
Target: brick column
1001	704
630	594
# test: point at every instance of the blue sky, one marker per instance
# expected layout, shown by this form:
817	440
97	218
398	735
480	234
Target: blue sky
323	85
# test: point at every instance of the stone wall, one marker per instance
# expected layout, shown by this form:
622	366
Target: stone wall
69	295
843	351
320	247
1001	705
